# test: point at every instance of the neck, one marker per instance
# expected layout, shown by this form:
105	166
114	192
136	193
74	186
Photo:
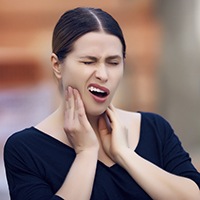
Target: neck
94	122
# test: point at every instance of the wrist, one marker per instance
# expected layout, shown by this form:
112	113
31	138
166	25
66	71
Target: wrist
90	152
123	155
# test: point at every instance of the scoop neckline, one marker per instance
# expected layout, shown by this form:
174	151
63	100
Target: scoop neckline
100	162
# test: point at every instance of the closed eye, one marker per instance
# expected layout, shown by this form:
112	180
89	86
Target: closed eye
113	63
88	63
114	60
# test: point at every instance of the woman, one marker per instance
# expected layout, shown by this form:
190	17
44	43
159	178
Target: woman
88	149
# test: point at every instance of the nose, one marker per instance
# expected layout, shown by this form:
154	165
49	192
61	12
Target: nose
101	73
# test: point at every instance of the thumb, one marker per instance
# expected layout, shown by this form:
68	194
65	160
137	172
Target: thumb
104	133
103	130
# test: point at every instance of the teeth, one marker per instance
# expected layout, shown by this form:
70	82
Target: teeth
93	89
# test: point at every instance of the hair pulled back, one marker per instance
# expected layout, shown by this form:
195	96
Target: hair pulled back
75	23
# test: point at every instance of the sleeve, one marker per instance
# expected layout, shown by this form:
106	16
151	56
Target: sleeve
175	159
23	182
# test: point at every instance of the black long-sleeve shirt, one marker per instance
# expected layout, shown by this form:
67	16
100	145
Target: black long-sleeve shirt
37	164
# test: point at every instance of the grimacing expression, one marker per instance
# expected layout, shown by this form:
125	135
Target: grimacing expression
94	67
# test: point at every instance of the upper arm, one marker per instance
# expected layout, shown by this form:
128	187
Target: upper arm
23	180
175	159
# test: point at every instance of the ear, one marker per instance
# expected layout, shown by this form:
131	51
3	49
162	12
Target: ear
56	66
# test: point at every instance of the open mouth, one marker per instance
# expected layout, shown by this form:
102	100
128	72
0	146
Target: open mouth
98	92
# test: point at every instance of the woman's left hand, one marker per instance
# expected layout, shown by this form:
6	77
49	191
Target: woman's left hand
113	134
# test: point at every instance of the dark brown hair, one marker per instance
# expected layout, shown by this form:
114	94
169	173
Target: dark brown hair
79	21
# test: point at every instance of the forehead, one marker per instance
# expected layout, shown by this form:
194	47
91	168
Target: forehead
98	43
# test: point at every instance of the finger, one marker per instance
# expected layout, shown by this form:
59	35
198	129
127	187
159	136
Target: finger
112	116
114	110
78	101
66	99
103	132
71	103
102	126
111	107
66	104
76	96
68	119
79	107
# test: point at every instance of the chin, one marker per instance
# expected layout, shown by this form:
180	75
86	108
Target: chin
95	111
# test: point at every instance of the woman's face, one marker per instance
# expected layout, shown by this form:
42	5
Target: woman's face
94	67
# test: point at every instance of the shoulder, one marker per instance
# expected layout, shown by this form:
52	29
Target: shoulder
149	117
17	147
22	133
132	120
20	138
128	115
156	120
154	117
148	121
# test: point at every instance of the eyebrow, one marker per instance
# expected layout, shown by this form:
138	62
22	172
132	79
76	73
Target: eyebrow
95	58
114	57
88	57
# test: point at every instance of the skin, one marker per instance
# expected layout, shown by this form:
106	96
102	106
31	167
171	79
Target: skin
94	61
99	131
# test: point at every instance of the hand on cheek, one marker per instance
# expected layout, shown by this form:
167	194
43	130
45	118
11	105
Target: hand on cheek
76	125
113	134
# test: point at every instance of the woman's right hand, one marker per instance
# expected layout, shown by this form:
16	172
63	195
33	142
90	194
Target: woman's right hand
76	125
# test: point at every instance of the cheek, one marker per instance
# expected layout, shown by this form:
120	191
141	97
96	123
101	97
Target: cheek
69	78
76	82
117	77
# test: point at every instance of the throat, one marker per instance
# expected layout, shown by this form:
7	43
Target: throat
93	120
102	157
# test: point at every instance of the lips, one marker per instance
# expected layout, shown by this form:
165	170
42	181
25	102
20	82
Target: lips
99	93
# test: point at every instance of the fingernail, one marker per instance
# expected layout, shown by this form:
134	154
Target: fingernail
69	88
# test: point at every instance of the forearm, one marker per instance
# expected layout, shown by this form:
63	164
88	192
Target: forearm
79	181
158	183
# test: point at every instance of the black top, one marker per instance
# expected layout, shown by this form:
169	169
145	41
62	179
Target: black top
37	164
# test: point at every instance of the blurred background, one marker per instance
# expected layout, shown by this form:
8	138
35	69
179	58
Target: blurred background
162	66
